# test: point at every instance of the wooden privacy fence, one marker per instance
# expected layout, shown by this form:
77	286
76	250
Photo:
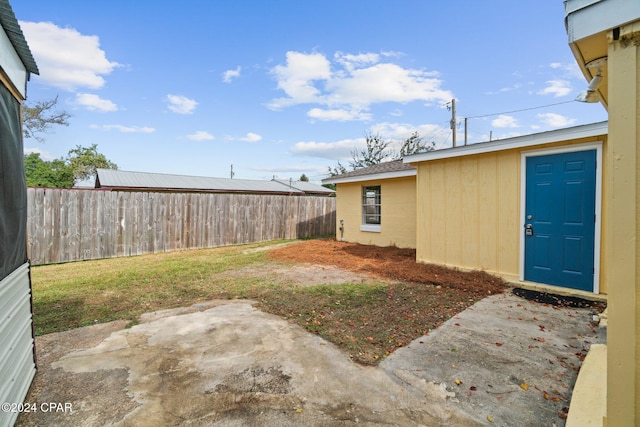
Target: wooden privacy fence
72	224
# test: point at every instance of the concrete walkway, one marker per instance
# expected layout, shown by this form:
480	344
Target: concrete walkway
226	363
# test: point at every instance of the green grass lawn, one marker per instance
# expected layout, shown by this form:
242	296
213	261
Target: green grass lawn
368	320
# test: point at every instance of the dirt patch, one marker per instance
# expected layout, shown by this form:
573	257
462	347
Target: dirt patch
387	299
303	274
390	262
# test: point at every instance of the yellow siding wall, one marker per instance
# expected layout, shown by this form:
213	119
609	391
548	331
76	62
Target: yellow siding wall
468	211
398	213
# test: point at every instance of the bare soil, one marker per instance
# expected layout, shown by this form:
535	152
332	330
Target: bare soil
369	319
393	263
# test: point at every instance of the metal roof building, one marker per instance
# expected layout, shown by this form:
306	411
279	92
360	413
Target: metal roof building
109	179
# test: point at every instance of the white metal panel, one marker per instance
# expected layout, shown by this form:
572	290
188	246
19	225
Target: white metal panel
12	65
17	365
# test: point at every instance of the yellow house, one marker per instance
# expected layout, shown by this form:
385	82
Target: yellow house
526	208
604	36
377	205
491	206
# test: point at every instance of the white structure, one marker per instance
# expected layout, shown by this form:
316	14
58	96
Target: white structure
17	349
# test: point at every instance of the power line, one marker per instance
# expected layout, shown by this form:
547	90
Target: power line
517	111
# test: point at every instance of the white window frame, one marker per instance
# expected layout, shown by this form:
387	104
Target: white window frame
370	226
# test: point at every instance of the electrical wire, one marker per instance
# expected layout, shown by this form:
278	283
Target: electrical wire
524	109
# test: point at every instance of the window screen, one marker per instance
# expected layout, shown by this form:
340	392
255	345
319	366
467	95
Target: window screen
371	205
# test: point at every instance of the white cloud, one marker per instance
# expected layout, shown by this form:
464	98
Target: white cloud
338	150
297	77
504	121
395	133
356	61
124	129
402	131
200	136
570	70
181	104
249	137
555	120
229	75
66	58
47	157
93	102
362	81
291	169
337	115
556	88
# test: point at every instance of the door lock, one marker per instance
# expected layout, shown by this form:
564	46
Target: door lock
528	230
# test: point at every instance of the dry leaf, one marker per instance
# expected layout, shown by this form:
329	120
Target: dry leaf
524	386
489	418
545	395
457	381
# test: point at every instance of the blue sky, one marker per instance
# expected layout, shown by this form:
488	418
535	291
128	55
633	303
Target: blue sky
290	87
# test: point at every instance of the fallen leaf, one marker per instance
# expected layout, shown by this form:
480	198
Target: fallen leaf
298	410
499	344
489	418
524	386
473	388
545	395
457	381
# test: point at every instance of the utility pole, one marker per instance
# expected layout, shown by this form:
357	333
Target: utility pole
232	172
453	120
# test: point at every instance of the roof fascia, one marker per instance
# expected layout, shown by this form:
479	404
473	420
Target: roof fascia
578	132
370	177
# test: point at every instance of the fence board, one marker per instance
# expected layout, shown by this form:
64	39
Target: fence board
73	224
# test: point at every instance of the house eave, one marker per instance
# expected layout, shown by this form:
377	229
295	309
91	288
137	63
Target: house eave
549	137
370	177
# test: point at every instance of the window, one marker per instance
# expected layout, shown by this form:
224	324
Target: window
370	208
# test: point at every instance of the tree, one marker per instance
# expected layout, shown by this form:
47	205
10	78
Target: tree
377	151
339	169
39	118
80	164
414	145
51	174
304	178
85	160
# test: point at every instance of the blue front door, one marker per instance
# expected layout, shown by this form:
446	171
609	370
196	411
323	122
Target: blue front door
560	219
